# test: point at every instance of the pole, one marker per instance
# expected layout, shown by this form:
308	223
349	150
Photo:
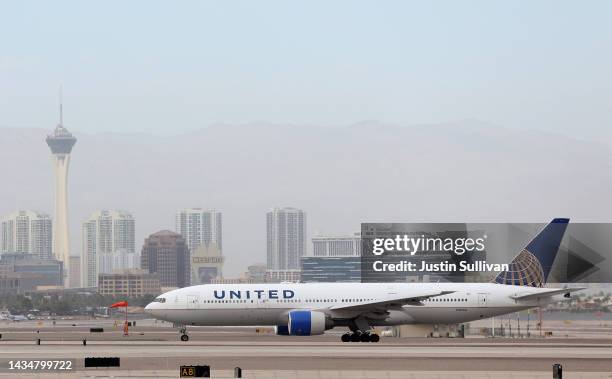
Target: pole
510	326
540	325
528	319
125	327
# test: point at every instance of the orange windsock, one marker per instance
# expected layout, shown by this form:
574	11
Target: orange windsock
119	304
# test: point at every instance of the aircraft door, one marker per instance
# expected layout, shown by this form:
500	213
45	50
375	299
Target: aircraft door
192	302
261	313
482	300
264	301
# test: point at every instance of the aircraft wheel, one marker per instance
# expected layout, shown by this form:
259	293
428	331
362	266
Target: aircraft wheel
184	337
365	337
374	338
356	337
346	337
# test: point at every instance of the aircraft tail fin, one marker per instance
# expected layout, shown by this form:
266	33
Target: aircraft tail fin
532	265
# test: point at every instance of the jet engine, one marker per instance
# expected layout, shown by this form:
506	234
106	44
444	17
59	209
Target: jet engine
282	330
307	323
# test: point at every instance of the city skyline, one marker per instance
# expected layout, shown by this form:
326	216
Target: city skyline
360	113
108	238
245	186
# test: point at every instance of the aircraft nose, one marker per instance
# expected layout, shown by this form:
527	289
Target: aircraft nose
149	308
155	310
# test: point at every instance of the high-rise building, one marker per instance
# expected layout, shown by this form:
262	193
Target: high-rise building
286	232
61	143
336	246
108	237
75	271
27	232
166	253
200	227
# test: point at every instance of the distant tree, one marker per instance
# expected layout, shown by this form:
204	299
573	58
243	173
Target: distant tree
65	303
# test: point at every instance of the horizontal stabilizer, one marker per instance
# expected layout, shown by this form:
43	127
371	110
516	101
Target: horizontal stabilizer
541	294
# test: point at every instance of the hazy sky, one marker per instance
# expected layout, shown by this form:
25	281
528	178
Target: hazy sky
171	67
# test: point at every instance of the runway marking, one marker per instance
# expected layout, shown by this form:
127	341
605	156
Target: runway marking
348	351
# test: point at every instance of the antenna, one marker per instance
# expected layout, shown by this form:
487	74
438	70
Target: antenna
61	100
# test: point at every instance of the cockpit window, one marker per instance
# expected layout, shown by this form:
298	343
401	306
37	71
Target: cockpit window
160	300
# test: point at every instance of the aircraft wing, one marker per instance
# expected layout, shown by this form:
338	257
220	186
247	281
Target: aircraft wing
372	306
541	294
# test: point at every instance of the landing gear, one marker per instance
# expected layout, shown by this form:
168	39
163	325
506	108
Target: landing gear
359	336
184	336
361	331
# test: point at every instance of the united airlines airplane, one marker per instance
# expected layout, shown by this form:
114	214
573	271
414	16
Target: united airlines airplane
305	309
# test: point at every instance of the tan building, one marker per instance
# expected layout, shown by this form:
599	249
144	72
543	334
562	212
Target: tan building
241	280
129	283
206	264
75	271
256	273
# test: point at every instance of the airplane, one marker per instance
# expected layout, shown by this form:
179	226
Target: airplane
18	318
305	309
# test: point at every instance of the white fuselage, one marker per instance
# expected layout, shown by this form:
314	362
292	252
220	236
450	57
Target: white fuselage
270	304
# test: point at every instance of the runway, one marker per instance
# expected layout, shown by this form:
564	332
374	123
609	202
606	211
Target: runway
157	350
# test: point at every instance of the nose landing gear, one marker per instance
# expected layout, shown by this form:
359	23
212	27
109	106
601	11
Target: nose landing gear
184	336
